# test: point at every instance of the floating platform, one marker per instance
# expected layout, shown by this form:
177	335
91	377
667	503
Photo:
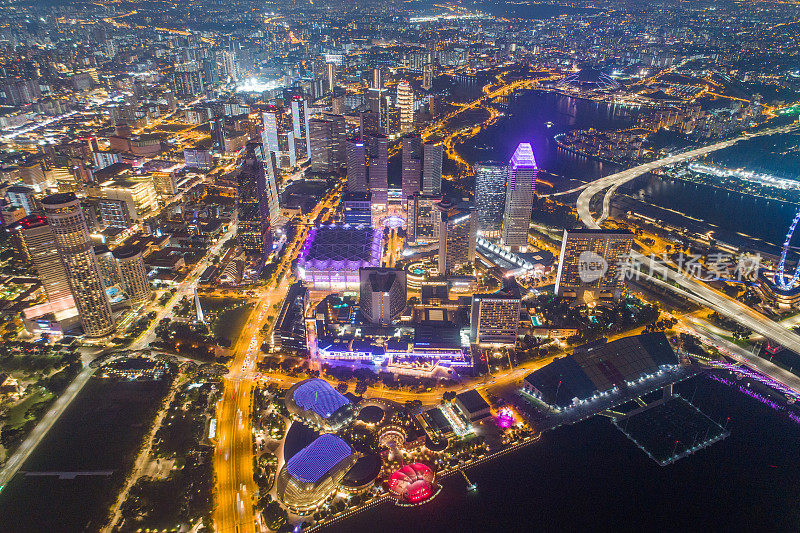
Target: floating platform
670	429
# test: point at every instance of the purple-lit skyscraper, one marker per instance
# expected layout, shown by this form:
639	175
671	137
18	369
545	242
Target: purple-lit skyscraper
520	186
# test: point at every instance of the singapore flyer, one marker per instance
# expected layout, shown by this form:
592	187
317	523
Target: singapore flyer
780	275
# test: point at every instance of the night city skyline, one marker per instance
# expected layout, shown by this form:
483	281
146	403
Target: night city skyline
334	266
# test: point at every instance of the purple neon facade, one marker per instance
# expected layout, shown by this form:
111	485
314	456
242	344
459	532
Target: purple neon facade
505	418
453	357
523	157
317	395
314	461
520	187
333	254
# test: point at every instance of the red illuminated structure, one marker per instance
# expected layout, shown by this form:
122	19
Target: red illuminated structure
412	484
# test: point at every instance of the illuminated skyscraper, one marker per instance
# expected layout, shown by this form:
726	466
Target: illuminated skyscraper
427	76
40	246
490	197
495	317
458	226
590	262
133	273
432	155
327	142
405	102
64	214
356	166
331	76
412	166
187	79
378	152
520	186
269	137
300	122
423	219
279	136
257	203
382	294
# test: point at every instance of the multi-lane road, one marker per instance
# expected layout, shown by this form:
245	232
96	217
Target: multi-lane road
684	285
614	181
233	460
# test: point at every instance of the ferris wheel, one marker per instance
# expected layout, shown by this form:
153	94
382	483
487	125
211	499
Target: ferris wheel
780	275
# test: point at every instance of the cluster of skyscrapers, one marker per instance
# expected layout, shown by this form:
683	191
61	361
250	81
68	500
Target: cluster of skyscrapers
71	268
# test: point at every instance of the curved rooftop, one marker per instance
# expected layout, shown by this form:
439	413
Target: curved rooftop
371	414
311	463
59	198
126	252
364	471
412	482
317	395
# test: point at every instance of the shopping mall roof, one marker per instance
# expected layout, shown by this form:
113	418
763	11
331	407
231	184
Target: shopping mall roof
311	463
317	395
342	247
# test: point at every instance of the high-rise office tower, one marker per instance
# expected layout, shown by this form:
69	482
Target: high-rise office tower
74	245
269	138
405	102
367	124
590	263
330	76
133	273
22	196
490	197
40	246
300	122
279	137
427	76
257	202
520	186
269	193
423	219
382	294
412	165
494	317
327	142
357	207
379	105
432	155
286	156
377	78
458	226
378	172
356	166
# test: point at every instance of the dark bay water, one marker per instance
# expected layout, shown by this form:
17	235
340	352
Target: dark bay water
589	477
735	218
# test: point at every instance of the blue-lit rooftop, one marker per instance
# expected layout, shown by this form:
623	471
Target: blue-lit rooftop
311	463
317	395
